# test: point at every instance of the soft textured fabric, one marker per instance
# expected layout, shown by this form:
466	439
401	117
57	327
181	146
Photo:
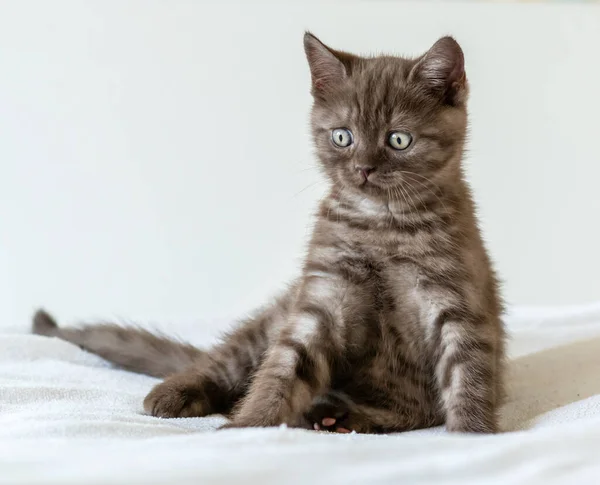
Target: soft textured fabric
67	417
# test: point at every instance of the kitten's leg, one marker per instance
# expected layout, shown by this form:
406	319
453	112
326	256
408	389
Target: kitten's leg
467	371
199	382
223	378
298	366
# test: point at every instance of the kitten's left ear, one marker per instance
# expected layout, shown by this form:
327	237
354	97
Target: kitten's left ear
442	69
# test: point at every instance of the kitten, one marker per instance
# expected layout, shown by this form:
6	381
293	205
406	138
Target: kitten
395	322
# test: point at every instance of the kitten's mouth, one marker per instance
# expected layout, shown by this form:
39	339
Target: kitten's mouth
367	184
363	182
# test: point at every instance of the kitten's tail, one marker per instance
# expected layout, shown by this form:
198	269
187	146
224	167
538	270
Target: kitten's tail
132	348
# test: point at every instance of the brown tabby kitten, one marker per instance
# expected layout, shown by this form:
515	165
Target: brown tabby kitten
395	321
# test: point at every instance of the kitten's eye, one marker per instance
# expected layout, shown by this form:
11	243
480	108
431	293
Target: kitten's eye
399	140
342	137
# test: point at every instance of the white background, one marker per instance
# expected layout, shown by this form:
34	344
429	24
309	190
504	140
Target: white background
155	161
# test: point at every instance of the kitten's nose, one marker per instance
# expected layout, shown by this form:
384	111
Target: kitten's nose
365	170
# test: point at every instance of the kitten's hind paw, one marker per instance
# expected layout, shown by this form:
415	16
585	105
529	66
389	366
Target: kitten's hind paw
332	412
179	396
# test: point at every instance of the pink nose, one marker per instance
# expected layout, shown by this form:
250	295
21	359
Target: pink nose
365	171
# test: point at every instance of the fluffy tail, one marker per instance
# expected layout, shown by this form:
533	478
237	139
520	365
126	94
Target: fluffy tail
133	349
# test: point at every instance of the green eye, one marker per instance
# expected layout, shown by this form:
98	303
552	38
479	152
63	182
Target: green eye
342	137
400	140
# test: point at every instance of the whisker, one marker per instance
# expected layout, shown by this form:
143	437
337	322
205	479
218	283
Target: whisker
308	187
411	201
337	196
390	196
340	194
428	188
403	196
396	198
408	172
414	191
307	168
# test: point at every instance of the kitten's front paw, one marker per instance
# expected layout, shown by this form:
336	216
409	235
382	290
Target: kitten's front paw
177	397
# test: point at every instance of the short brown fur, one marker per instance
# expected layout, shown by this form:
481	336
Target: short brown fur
395	321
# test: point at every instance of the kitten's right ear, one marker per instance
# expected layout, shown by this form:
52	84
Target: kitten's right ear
326	69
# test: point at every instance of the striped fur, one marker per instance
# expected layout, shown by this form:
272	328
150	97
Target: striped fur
394	323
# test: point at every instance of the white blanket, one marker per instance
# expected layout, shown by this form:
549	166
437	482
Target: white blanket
66	417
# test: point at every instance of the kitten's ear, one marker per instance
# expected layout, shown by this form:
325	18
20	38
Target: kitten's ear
442	69
327	68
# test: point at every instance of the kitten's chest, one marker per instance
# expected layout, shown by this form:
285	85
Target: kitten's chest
412	285
402	282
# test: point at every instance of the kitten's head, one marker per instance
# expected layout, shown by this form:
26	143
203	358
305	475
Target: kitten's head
382	122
